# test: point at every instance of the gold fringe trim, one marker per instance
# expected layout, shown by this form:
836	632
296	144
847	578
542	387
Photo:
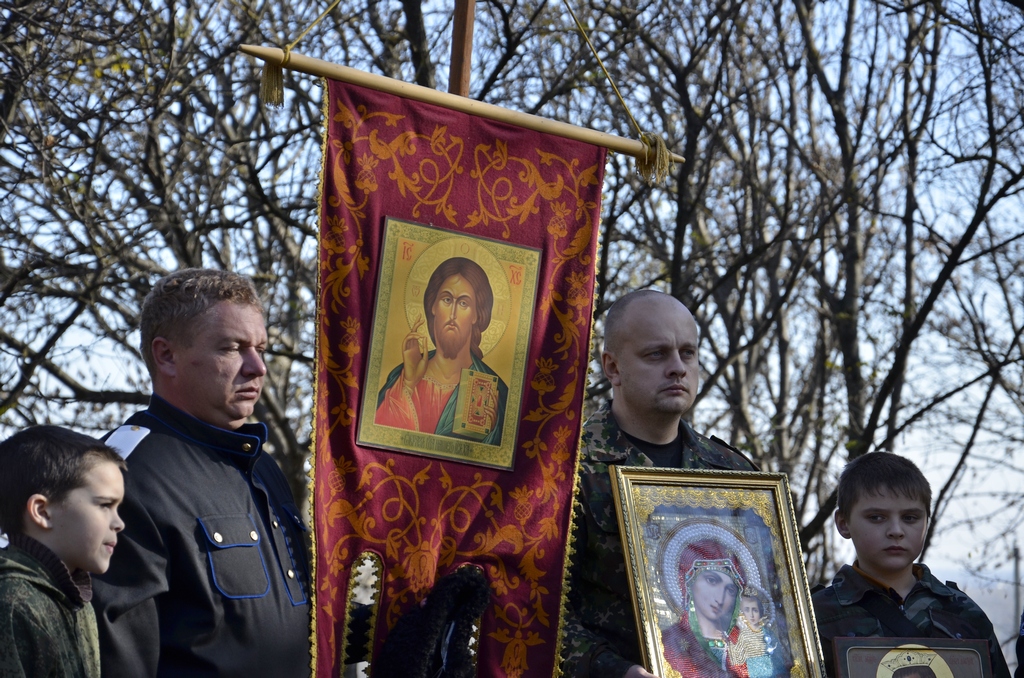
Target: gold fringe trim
272	85
570	544
653	167
325	112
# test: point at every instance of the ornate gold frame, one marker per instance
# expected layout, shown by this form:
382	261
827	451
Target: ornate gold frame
879	657
660	511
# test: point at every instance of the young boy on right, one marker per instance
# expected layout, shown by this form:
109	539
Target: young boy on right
883	505
59	493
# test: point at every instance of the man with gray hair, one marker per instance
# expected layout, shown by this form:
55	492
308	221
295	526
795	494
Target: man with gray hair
211	576
650	358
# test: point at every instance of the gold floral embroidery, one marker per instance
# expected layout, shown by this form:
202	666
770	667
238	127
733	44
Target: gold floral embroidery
511	535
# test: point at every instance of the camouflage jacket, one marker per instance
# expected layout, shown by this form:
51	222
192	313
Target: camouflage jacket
939	610
600	629
46	628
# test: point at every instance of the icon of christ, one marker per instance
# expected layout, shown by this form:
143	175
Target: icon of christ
450	390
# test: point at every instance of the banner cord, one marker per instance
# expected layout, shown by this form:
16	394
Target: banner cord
653	167
272	79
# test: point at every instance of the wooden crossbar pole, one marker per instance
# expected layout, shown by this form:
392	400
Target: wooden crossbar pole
462	47
324	69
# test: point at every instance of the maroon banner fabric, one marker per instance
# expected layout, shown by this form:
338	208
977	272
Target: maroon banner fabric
486	476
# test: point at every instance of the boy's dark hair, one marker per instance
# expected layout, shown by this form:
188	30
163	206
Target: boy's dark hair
877	471
47	460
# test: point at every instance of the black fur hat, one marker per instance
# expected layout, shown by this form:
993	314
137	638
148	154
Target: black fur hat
433	640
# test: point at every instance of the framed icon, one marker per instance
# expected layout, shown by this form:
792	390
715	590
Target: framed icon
716	573
448	351
912	658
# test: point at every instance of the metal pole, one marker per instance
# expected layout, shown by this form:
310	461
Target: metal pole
1016	581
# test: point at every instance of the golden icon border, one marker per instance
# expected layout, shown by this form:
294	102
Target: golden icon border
448	448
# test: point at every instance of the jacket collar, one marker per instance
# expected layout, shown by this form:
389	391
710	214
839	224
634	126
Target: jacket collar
77	586
850	585
243	444
618	447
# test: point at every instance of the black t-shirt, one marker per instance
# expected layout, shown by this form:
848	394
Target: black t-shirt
667	455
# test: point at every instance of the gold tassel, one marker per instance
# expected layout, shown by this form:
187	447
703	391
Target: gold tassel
653	167
272	85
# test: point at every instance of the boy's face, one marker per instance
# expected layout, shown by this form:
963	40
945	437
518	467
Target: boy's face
887	531
85	525
750	609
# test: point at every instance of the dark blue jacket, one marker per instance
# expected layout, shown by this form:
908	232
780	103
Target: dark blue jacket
210	575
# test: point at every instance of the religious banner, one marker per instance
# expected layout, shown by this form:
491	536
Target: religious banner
457	260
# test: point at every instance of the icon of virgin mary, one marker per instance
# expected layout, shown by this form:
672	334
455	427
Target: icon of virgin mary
710	578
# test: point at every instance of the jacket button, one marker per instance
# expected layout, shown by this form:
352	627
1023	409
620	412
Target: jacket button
274	523
291	574
254	535
217	537
246	447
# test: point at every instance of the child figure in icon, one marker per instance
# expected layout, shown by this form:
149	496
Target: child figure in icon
756	645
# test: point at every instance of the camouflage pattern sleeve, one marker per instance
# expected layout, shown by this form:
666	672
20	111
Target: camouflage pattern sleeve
1000	669
35	637
43	632
600	638
23	636
939	610
978	619
833	620
585	653
946	611
600	627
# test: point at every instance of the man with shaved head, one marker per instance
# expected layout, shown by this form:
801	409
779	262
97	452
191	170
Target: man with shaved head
650	358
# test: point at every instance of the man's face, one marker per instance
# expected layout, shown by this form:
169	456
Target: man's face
653	365
887	531
454	316
219	377
85	524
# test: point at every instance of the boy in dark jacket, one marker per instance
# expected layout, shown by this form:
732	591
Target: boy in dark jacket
59	493
883	505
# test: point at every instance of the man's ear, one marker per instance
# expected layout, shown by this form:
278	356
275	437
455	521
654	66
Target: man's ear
37	509
610	367
163	356
841	524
